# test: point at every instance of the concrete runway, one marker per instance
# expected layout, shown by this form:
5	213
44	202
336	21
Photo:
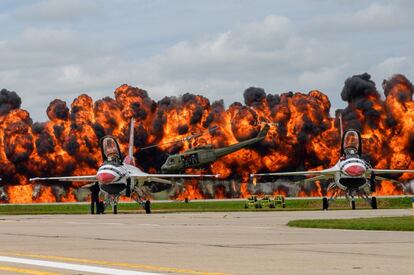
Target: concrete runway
200	243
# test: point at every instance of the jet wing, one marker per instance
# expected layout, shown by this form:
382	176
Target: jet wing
161	177
298	173
184	176
312	179
71	178
390	171
160	180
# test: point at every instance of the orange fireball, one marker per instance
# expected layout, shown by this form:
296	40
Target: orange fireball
303	135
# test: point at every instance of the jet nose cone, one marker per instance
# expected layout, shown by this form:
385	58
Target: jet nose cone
105	177
355	170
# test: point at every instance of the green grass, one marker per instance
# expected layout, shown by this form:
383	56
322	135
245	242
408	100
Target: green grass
198	206
405	223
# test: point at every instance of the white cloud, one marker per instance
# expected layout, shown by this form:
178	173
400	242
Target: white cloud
56	10
50	51
268	53
329	76
375	17
270	47
70	74
46	39
393	65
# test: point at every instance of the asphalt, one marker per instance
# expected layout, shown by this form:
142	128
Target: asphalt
202	243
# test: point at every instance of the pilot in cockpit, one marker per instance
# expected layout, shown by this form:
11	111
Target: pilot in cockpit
351	144
111	150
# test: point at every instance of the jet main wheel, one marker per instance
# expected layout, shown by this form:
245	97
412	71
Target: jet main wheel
115	209
148	207
353	204
374	203
325	204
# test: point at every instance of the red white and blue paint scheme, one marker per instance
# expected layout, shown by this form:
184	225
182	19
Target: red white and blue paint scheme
119	176
351	175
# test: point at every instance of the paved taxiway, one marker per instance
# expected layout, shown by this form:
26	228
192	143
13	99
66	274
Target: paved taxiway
200	243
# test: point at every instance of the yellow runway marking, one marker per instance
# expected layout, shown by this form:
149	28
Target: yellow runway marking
25	270
119	264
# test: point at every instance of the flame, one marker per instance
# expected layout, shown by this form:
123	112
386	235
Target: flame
303	135
191	192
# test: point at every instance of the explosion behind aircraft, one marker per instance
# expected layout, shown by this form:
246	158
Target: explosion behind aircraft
307	137
117	177
203	155
351	175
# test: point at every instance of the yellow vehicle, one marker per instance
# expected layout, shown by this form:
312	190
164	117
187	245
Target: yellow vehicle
280	200
252	202
268	201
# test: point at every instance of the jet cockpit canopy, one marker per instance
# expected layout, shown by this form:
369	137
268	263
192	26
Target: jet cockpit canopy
110	149
351	143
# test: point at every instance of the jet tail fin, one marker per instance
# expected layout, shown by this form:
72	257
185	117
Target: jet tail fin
129	159
341	128
131	139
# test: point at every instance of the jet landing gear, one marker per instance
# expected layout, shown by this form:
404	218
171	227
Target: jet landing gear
325	201
145	204
113	201
350	197
372	201
353	203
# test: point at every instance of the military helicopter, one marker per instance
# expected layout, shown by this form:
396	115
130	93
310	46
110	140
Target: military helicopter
204	155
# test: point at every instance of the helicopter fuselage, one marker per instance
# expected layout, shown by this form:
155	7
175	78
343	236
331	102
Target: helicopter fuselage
189	159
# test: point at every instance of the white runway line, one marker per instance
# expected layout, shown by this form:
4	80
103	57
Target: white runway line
77	267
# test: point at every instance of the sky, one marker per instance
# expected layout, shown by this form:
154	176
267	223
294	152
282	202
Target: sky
216	48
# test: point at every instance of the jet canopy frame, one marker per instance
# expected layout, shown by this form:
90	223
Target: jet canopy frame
351	143
110	149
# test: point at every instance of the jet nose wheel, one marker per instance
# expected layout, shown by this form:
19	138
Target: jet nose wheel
325	204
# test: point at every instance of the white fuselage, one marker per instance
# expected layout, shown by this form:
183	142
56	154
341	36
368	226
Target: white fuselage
113	179
350	173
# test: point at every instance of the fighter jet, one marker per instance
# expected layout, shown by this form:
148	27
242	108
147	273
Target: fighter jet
119	176
204	155
351	175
